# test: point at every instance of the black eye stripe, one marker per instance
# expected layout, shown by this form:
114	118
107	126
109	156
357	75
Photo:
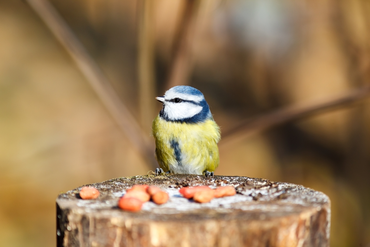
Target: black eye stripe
178	100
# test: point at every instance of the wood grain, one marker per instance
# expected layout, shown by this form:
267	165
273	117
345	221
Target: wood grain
263	213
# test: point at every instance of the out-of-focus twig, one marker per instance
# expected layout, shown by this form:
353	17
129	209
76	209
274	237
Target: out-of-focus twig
180	64
146	75
258	124
95	77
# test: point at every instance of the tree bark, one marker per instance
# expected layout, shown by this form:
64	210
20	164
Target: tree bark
263	213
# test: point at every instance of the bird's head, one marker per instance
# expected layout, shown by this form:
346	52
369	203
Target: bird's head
184	104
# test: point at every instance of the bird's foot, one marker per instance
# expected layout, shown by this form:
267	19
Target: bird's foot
208	174
158	171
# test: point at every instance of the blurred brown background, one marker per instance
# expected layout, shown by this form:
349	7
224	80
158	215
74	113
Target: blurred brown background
248	57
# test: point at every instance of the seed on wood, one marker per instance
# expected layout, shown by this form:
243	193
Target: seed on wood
151	190
160	197
130	204
138	194
88	193
224	191
204	196
188	192
141	187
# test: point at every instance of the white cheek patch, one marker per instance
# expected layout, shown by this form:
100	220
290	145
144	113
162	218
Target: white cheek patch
177	111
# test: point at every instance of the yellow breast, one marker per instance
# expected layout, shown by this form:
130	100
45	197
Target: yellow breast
184	148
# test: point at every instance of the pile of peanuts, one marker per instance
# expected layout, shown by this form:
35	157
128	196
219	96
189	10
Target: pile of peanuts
135	197
203	194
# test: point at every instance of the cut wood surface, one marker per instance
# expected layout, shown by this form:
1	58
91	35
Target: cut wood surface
262	213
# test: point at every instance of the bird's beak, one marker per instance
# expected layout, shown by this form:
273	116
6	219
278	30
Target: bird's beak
160	99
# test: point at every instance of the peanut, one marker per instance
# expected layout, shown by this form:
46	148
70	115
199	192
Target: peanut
88	193
151	190
138	194
204	196
141	187
188	192
130	204
160	197
224	191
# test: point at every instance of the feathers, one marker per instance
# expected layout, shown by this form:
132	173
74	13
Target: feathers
185	133
178	112
186	148
184	104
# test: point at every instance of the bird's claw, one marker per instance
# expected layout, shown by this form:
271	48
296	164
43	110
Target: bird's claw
158	171
208	174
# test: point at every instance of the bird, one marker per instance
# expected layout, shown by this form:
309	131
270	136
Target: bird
185	133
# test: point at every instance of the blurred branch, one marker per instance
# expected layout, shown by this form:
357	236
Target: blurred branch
95	77
258	124
181	52
146	75
356	52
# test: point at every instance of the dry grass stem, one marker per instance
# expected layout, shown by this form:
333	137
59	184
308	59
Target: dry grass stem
146	74
180	65
95	77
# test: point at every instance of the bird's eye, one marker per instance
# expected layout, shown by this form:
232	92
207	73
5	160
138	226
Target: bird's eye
177	100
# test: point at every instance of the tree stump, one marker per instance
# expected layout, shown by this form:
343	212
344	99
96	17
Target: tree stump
262	213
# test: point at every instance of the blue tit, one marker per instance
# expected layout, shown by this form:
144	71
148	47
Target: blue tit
185	133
